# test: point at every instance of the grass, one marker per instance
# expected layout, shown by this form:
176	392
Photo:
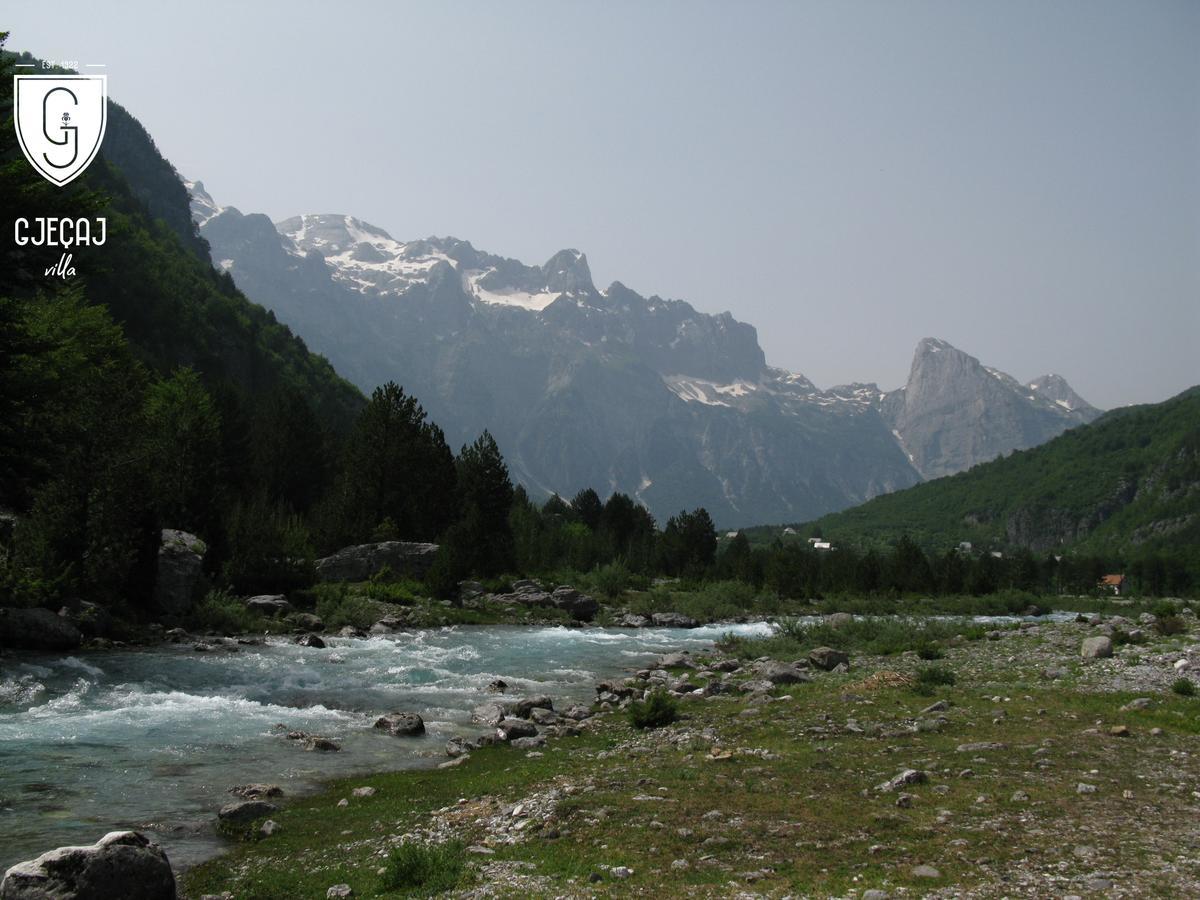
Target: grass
423	870
876	635
1184	687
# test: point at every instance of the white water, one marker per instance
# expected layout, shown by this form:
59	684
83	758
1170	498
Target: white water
153	739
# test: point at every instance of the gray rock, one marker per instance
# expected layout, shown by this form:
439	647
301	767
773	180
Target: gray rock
827	658
631	620
488	714
311	640
178	576
524	707
581	607
905	778
306	621
1099	647
779	672
838	620
37	629
269	827
401	724
321	745
269	604
980	746
122	864
244	811
338	891
256	791
360	562
675	661
528	743
925	872
508	729
1137	703
363	792
673	620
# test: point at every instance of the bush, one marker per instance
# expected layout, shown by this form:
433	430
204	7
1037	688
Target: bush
931	677
222	612
930	652
427	868
657	710
611	580
1169	625
338	608
1184	687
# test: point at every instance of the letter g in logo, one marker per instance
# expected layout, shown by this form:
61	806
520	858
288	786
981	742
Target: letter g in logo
60	121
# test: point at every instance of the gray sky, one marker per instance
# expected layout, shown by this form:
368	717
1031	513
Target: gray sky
1019	178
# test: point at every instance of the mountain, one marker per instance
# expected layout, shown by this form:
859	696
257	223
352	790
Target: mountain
955	413
608	388
1128	482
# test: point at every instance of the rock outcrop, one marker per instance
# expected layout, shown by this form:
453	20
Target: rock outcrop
180	562
360	562
37	629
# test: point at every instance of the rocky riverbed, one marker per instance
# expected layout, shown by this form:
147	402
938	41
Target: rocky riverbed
1047	768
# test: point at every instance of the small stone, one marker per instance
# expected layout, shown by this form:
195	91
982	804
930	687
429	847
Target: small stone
1084	788
363	792
343	802
925	872
680	864
875	894
1099	884
1120	731
339	890
904	801
621	872
1139	703
268	828
1019	797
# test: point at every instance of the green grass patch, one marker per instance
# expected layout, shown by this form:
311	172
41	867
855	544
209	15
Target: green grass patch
424	869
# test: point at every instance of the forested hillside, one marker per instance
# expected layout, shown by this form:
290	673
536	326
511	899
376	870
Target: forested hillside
1127	484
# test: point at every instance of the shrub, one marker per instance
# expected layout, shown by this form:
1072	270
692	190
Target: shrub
657	710
1184	687
930	652
222	612
611	580
340	608
1168	625
931	677
428	868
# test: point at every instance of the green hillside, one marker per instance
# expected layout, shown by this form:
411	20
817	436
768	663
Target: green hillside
153	274
1128	484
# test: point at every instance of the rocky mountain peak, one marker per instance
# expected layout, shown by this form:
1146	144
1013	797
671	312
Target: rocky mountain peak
567	270
1056	389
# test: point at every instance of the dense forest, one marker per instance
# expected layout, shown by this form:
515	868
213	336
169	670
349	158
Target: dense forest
149	393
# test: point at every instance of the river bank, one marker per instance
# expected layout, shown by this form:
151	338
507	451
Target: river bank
1028	770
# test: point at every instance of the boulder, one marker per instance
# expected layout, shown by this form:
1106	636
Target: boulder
37	629
581	607
675	660
674	620
360	562
488	714
522	708
632	620
243	811
322	745
827	658
306	621
122	864
839	620
177	580
1099	647
401	724
510	729
779	672
269	604
311	640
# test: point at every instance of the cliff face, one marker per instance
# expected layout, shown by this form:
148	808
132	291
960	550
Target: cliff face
955	413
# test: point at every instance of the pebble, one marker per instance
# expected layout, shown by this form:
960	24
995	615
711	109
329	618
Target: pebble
925	872
363	792
1084	788
340	890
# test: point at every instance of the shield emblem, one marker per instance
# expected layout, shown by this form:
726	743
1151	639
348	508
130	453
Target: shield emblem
60	121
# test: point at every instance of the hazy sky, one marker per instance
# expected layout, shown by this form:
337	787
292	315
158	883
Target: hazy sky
1019	178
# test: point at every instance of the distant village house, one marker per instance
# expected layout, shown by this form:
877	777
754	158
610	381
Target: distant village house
1114	583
